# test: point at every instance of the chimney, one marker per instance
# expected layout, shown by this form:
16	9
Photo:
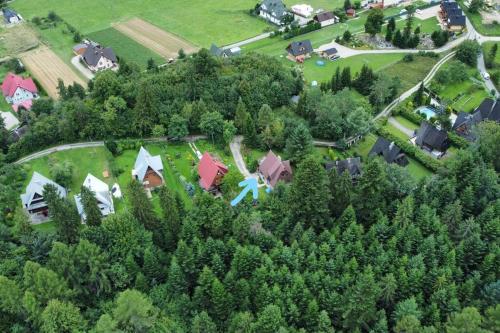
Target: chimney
391	145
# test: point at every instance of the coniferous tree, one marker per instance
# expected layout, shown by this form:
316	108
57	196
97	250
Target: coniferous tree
64	215
345	77
250	137
142	208
91	210
240	116
299	144
310	195
418	99
171	222
341	189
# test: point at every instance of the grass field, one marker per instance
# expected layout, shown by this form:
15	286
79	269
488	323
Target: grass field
396	132
467	95
126	47
427	26
410	73
406	123
200	22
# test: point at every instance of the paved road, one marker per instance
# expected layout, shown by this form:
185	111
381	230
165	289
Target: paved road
81	68
401	127
248	41
482	68
79	145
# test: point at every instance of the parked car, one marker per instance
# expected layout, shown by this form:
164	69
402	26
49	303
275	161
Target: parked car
335	57
485	75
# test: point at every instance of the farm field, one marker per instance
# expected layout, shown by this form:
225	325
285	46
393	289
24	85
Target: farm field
202	23
47	68
125	47
153	38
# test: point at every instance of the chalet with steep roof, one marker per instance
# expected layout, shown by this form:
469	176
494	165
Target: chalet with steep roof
33	200
102	195
211	172
273	169
487	110
10	16
431	139
148	170
351	165
452	16
273	11
389	152
99	58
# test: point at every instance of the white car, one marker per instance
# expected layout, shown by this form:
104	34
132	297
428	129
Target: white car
486	76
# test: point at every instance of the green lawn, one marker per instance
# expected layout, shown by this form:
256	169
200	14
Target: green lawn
199	21
467	95
406	123
317	4
417	169
393	130
427	26
410	73
60	40
125	47
46	227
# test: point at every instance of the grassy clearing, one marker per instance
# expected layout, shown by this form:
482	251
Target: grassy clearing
406	123
417	169
200	22
410	73
393	130
60	40
317	4
427	26
48	227
467	95
125	47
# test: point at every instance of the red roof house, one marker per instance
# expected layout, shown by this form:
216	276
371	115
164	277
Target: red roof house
351	12
17	89
274	169
211	172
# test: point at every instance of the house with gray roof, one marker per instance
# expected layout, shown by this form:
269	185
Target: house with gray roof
148	170
465	122
431	139
325	18
102	194
273	11
10	16
224	53
351	165
33	200
99	58
300	50
389	152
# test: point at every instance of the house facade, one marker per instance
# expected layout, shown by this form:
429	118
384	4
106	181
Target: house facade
148	170
299	51
273	11
211	173
224	53
273	169
452	16
389	152
325	18
98	58
102	195
18	90
33	200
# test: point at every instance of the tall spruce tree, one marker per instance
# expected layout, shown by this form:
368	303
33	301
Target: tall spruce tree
93	216
171	217
299	144
64	215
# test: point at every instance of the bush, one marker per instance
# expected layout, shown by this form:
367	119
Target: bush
296	31
252	164
36	20
52	16
412	116
408	57
113	148
457	140
15	66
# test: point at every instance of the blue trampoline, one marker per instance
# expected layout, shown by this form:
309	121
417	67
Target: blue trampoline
320	63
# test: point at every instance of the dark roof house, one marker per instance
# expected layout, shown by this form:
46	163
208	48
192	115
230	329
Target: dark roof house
225	53
389	151
93	54
487	110
273	169
273	10
352	165
432	139
10	16
300	48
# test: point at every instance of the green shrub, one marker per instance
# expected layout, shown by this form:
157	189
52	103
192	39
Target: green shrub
457	140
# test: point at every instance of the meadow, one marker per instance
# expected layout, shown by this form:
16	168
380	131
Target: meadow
198	21
125	47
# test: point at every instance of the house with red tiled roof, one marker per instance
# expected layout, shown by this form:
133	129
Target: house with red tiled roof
211	172
17	90
273	169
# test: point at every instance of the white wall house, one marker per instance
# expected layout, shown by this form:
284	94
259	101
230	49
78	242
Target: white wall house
273	11
98	58
17	89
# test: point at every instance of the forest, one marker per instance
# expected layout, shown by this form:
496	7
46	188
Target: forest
385	253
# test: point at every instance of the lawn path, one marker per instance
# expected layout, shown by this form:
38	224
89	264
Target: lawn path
393	121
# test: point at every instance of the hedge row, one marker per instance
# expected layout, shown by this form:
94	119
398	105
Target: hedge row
414	151
457	140
410	115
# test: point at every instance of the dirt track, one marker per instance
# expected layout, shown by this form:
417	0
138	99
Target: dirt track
47	68
154	38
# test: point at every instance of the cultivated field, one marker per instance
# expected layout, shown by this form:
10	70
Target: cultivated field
154	38
47	68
